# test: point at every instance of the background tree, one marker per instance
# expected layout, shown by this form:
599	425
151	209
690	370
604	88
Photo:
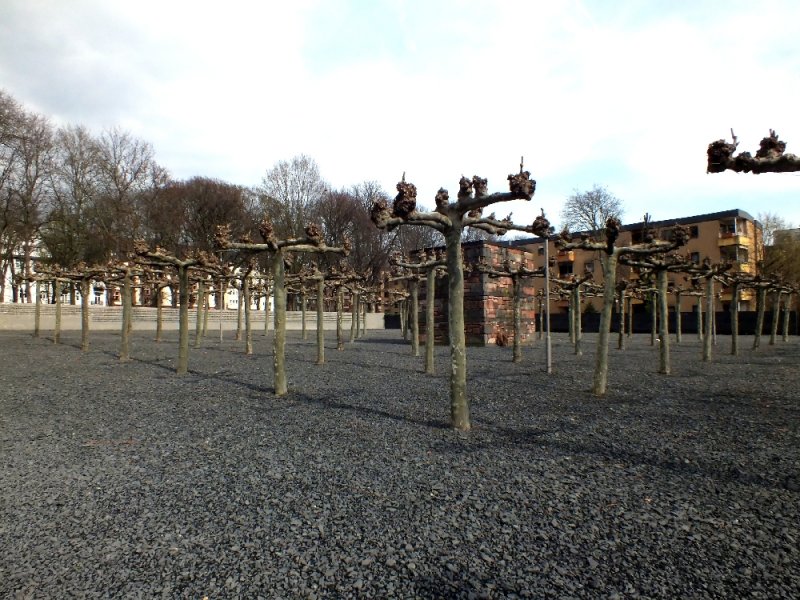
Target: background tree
74	184
590	210
289	192
127	172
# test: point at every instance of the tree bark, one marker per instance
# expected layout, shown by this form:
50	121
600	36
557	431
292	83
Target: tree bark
183	321
57	328
622	312
430	304
787	312
126	308
516	291
353	315
576	316
84	283
248	328
663	310
159	313
459	407
414	314
37	317
761	305
321	321
776	315
709	324
339	318
600	378
303	302
279	344
678	319
198	327
734	310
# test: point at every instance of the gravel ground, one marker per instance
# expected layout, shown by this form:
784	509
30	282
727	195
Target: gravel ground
124	480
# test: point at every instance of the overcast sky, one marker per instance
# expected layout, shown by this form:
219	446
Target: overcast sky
624	94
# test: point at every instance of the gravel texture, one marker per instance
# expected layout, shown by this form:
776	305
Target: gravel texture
124	480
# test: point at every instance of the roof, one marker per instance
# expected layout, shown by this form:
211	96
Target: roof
716	216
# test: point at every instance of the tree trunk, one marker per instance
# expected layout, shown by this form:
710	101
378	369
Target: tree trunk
576	325
37	317
459	405
678	320
248	324
321	321
761	301
653	317
198	327
734	309
159	312
414	315
266	307
699	311
183	321
787	311
707	337
404	318
339	318
663	310
629	331
279	352
57	329
239	312
600	378
622	312
124	353
430	305
206	309
776	315
303	302
516	291
85	291
353	315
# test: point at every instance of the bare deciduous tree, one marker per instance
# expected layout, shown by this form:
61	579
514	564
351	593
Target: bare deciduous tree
590	210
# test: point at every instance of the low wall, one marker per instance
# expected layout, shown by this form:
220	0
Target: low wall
21	317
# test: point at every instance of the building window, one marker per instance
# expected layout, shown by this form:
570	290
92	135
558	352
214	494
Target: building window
695	257
694	232
588	266
540	251
564	268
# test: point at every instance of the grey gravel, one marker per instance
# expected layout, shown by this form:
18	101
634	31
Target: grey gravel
124	480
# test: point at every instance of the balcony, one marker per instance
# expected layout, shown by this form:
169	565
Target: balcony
733	239
566	255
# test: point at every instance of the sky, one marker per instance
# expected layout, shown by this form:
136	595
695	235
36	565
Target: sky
625	94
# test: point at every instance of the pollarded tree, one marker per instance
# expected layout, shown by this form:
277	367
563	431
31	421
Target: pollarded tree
160	257
611	254
708	273
573	289
450	219
432	264
517	272
661	265
312	243
769	158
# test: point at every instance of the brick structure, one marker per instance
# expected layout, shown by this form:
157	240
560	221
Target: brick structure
487	300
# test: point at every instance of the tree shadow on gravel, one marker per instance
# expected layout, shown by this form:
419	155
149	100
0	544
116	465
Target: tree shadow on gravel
730	475
339	405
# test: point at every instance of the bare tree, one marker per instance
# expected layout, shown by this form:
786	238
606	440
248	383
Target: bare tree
590	210
611	254
450	219
289	192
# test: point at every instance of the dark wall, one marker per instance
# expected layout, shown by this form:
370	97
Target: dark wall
641	322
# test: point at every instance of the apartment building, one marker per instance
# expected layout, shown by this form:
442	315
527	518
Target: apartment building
729	236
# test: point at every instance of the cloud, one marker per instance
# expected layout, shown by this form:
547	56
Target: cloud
626	95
